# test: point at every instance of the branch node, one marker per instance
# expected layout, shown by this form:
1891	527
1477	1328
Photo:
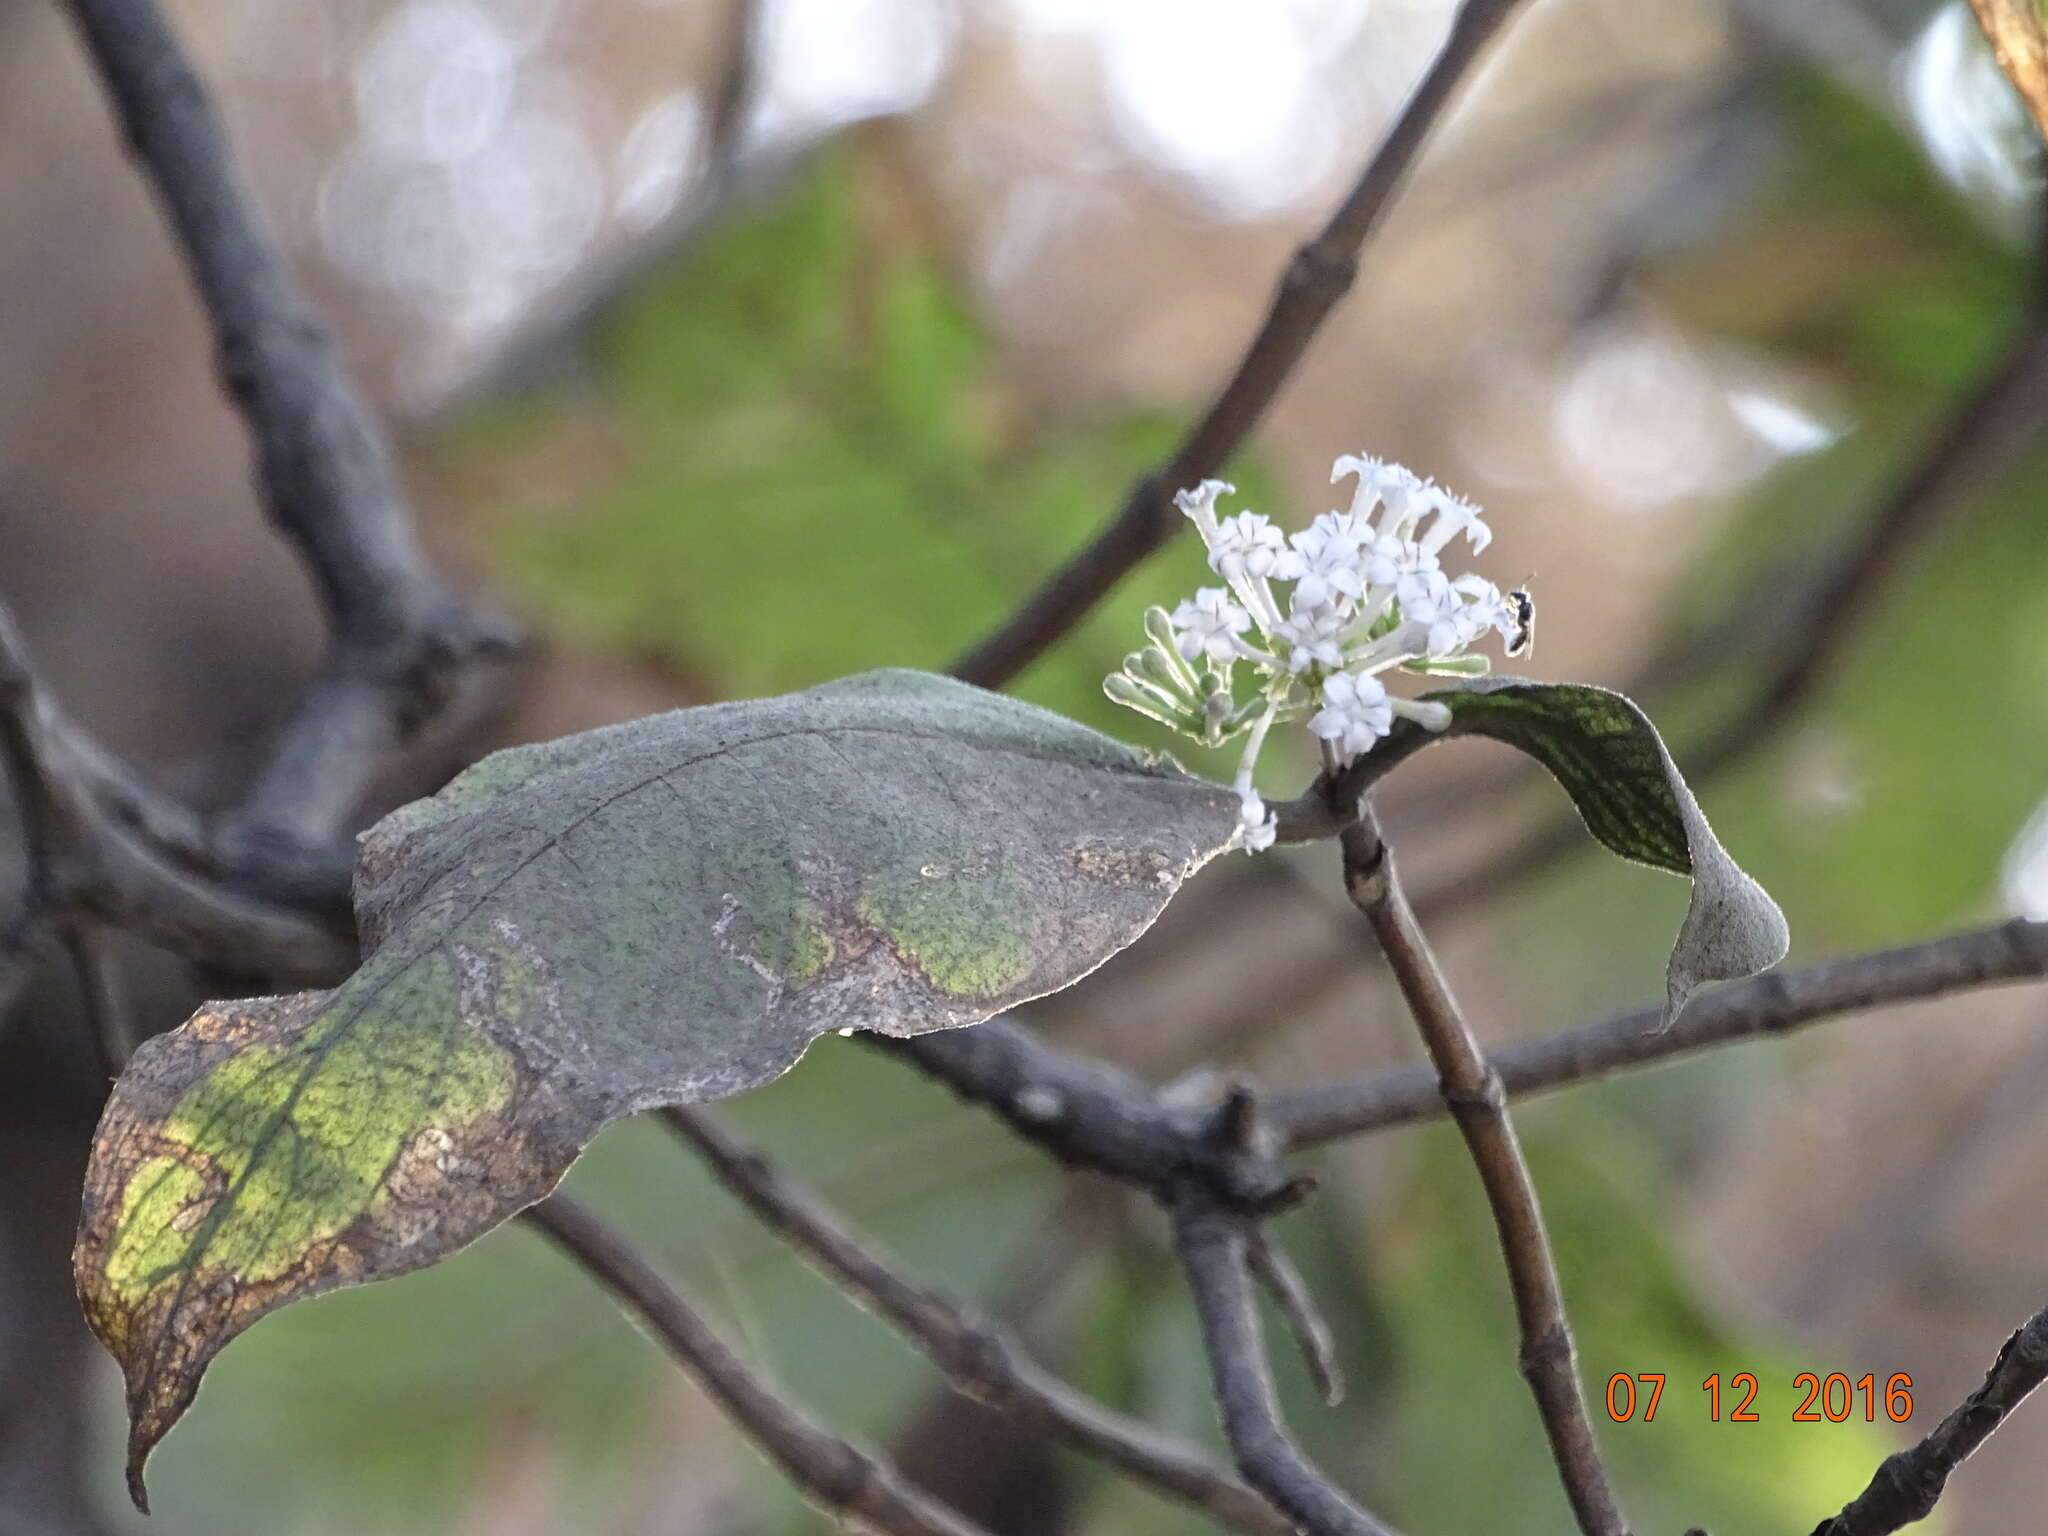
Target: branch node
1547	1351
1319	273
1487	1098
1040	1104
1237	1165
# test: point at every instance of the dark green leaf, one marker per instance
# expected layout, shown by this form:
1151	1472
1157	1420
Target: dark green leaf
656	913
1630	794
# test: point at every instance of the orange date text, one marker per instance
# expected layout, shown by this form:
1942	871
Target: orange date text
1834	1398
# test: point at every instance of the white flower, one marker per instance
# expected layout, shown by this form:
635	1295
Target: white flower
1455	515
1486	608
1322	564
1348	526
1256	826
1368	470
1378	482
1369	593
1458	612
1425	593
1356	712
1246	545
1432	605
1207	623
1200	506
1309	635
1404	495
1392	559
1447	637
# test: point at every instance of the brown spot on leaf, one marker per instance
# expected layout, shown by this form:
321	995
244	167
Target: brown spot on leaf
1126	866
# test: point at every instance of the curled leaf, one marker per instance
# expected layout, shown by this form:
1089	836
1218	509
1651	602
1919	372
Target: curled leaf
1610	760
661	912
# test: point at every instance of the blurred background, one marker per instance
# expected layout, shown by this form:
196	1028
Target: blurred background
731	368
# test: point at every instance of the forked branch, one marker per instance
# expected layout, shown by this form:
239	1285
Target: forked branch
88	864
979	1357
405	655
1214	1250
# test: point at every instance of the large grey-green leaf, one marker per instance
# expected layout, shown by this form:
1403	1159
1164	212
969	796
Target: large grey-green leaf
656	913
1628	791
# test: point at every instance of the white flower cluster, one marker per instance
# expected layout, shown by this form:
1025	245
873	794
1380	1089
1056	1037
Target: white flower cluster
1369	594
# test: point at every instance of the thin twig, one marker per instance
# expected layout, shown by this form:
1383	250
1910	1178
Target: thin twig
1213	1245
843	1478
1909	1483
1473	1093
980	1357
99	988
405	654
1777	1003
1317	276
51	807
1274	1270
732	98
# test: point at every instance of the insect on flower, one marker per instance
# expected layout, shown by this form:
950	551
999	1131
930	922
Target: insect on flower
1368	594
1522	610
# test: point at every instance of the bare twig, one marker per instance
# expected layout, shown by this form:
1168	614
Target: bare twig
1215	1168
840	1476
980	1357
405	655
1213	1246
1763	1005
1317	276
1909	1483
1473	1093
732	98
99	988
1297	1306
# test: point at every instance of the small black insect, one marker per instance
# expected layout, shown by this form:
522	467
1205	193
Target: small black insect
1524	608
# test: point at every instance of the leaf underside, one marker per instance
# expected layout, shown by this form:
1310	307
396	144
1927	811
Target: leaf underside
661	912
1610	760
